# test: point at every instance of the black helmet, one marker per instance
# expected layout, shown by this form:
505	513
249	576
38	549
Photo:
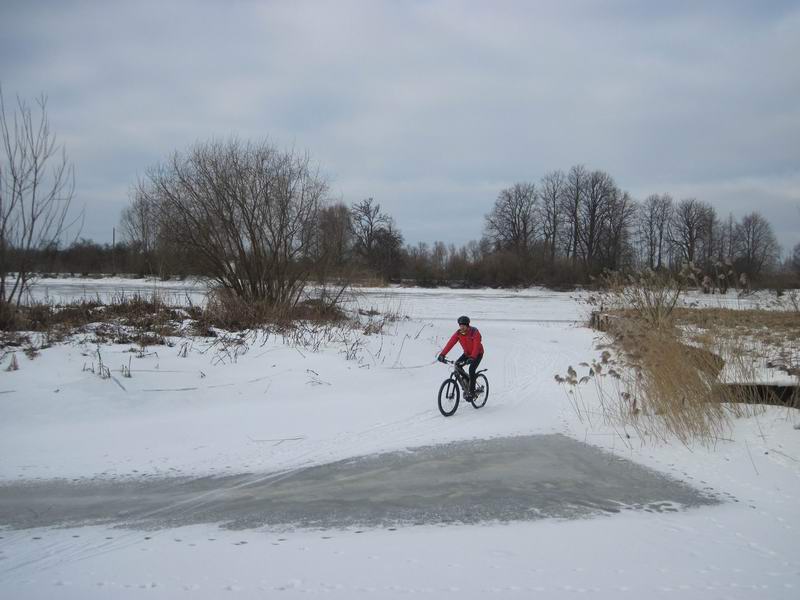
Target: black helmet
463	320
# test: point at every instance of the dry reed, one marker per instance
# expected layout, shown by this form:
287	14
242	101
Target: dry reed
670	372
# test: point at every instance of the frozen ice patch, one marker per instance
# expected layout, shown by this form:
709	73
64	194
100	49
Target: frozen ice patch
502	479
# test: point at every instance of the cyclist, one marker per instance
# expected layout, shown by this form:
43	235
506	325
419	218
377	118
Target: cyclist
470	340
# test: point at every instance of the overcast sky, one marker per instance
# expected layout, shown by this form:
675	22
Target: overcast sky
432	107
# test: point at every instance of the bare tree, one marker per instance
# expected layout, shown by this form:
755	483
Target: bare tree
512	223
574	196
620	218
376	240
367	220
458	263
439	260
593	213
552	189
711	234
796	257
333	240
140	228
653	222
688	226
387	252
246	211
477	250
36	191
755	245
418	263
725	238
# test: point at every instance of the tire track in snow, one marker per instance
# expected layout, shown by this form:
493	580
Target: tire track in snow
530	382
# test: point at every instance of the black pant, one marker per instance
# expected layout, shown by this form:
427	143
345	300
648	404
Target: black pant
472	368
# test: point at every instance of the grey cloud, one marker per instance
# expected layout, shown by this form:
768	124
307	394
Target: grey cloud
430	107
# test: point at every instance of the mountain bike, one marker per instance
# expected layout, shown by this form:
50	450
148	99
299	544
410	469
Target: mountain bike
451	389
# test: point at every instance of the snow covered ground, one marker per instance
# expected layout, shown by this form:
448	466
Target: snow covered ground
266	406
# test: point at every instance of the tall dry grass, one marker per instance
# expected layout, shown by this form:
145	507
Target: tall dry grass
225	310
669	372
650	296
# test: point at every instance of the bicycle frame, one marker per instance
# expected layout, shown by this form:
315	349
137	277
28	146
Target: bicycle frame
460	376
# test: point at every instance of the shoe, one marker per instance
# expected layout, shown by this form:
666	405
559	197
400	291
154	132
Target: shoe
469	397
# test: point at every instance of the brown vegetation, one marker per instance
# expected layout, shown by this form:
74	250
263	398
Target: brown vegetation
227	311
670	371
147	320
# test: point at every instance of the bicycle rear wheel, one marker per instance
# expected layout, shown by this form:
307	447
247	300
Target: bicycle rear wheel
449	395
481	391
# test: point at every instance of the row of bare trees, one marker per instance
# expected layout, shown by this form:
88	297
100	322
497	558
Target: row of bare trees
579	218
690	231
258	220
582	221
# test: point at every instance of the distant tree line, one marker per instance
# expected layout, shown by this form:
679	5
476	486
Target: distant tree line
84	257
573	225
560	231
259	222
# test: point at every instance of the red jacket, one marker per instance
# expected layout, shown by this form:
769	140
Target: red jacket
470	342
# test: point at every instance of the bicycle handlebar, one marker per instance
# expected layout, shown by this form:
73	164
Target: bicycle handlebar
453	362
450	362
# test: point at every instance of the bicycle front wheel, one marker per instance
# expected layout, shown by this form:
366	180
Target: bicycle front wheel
449	395
481	391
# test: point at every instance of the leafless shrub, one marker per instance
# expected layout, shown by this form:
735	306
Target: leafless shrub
228	347
353	349
245	211
36	190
